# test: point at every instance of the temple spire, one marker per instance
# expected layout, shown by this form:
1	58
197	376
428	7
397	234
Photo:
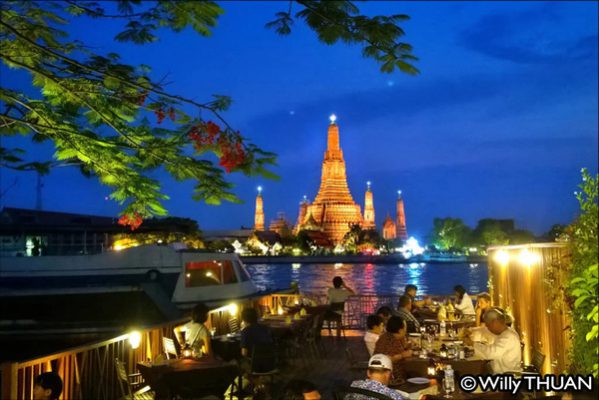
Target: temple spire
333	136
259	214
333	208
368	209
400	224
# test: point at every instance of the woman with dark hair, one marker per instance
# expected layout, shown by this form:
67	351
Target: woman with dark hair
463	302
196	334
47	386
393	343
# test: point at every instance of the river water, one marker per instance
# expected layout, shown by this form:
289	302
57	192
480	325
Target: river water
374	278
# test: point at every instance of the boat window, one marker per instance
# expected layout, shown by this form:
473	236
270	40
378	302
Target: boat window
209	273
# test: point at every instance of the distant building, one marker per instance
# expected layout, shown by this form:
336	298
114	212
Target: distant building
368	209
259	213
26	232
400	224
333	210
389	229
280	225
229	235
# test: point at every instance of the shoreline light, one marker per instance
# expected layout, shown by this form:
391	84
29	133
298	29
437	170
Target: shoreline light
332	118
259	188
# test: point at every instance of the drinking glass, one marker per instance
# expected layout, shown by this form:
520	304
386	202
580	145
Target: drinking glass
447	388
429	343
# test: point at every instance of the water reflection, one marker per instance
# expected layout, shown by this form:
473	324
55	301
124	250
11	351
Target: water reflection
373	278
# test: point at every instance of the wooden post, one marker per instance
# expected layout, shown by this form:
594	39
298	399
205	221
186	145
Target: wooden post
8	380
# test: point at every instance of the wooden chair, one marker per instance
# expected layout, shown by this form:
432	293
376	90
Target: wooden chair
335	315
132	385
538	359
535	368
169	348
233	325
354	364
264	364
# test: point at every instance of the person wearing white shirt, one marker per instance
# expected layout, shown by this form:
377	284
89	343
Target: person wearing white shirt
375	326
463	302
504	351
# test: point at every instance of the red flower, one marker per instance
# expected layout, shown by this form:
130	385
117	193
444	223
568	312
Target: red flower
212	129
171	114
232	155
160	115
142	98
133	221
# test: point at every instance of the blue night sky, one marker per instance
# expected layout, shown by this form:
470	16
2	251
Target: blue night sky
498	124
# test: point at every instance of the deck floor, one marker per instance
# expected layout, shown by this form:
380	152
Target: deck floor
328	371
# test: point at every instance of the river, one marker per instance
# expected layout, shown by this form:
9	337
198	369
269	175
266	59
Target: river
374	278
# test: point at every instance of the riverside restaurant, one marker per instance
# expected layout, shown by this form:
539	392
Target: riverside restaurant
512	341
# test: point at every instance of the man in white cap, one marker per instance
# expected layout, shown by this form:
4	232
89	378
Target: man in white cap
379	372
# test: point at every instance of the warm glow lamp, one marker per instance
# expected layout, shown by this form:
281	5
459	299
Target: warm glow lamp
527	258
233	308
134	339
502	257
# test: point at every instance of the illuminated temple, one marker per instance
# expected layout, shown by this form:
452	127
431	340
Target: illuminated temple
334	211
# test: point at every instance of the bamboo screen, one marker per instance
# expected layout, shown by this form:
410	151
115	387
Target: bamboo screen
529	282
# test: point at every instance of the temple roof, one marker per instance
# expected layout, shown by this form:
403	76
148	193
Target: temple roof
388	221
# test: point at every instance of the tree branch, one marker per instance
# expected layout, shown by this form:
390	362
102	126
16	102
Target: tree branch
131	84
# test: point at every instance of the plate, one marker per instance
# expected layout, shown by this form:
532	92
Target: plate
419	381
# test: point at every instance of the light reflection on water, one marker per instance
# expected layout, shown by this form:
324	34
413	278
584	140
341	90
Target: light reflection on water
373	278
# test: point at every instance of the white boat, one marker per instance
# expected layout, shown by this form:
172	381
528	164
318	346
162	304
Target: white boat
185	276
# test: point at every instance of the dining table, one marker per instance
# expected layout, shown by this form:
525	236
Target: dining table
227	347
455	324
188	378
285	326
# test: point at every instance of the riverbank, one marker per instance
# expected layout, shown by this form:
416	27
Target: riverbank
354	259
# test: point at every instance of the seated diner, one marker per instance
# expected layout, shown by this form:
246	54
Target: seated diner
483	304
404	310
375	326
463	302
393	343
380	369
194	334
504	351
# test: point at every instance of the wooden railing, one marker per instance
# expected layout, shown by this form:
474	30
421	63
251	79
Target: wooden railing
88	372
